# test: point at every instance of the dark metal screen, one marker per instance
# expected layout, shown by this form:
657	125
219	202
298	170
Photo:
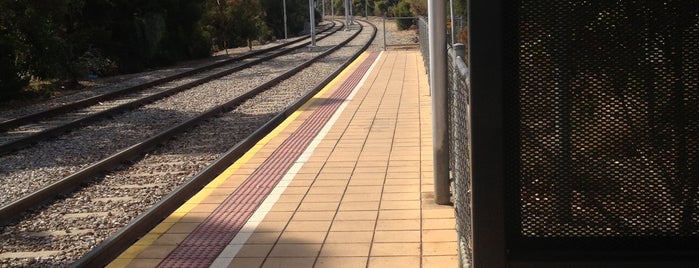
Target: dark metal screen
603	137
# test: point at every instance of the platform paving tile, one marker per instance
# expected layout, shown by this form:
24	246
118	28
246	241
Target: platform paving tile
255	250
288	262
397	261
371	192
353	225
340	262
362	198
242	262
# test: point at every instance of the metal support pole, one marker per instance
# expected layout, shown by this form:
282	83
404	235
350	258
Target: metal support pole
460	51
438	86
347	19
351	15
451	18
284	4
332	9
366	12
312	24
384	33
322	14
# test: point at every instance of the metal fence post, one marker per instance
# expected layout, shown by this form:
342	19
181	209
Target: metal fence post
438	85
460	51
384	33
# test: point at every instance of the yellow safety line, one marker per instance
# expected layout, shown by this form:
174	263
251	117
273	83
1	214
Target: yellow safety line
144	242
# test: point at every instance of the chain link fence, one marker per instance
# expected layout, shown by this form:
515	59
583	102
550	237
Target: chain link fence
458	127
400	32
460	149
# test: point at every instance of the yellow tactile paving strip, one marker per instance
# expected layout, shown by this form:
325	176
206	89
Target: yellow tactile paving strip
363	198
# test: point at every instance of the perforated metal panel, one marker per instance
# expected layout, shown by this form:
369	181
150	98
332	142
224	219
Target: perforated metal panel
603	125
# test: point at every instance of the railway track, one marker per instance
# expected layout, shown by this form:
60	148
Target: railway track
119	201
25	130
87	149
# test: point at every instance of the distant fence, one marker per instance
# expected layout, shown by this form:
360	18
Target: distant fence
399	39
424	42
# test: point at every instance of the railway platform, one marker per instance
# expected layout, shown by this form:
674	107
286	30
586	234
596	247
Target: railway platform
346	181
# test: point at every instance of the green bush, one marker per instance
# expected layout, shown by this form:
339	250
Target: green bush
296	16
11	78
13	75
92	62
402	9
68	39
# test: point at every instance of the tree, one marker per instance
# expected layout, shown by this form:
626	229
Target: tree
12	51
37	41
68	39
149	33
184	37
248	21
418	7
383	7
402	9
296	13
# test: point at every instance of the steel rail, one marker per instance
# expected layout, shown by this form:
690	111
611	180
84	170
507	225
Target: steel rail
28	140
18	121
68	184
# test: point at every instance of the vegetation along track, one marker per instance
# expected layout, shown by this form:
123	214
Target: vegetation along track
24	130
106	215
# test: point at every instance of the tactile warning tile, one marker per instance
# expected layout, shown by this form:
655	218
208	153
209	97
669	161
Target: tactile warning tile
205	243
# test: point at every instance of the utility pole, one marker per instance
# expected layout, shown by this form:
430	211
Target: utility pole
347	15
351	16
312	16
223	23
284	4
